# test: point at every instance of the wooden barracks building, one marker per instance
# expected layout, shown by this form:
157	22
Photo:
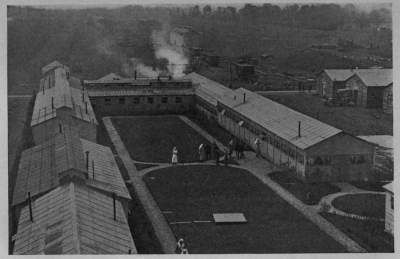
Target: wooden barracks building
314	150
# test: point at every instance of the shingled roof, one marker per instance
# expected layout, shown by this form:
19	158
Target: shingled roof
50	100
42	167
73	219
279	119
339	74
375	77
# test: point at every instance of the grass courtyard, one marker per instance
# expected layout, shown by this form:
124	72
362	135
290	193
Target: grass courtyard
369	205
152	138
194	193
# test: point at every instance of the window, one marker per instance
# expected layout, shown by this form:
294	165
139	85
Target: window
107	101
150	99
136	100
121	100
357	159
178	99
164	99
391	202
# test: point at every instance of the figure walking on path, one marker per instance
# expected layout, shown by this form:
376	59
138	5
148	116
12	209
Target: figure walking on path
257	144
174	159
216	153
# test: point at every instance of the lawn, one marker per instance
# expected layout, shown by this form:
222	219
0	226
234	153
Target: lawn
151	138
369	234
369	205
370	186
354	120
300	189
194	193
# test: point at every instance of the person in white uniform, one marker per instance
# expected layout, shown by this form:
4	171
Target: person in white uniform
174	159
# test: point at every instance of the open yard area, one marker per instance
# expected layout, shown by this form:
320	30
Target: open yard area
370	205
368	233
309	193
152	138
193	193
354	120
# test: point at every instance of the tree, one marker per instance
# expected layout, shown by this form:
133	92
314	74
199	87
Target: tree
207	10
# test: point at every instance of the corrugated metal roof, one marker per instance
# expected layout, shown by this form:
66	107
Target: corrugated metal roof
40	167
73	219
106	173
279	119
375	77
208	89
339	74
139	92
61	96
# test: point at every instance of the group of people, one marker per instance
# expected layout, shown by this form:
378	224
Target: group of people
181	247
206	152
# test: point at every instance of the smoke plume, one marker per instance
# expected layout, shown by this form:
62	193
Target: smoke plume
173	53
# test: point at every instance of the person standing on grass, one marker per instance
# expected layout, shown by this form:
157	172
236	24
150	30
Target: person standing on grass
226	157
202	153
216	153
257	144
231	146
174	159
207	150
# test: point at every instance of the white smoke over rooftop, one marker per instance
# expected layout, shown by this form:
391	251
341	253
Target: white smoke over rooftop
173	53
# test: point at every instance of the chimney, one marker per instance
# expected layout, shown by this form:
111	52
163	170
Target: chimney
244	97
87	160
86	108
130	251
60	127
52	102
83	96
114	208
299	131
135	74
30	206
93	169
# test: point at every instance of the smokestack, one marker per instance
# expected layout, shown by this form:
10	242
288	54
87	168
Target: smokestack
93	169
244	97
60	127
135	74
299	131
30	206
114	208
87	160
52	103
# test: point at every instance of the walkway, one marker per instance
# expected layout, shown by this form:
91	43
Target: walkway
161	228
327	202
257	166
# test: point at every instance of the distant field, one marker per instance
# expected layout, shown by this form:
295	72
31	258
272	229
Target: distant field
354	120
151	138
194	193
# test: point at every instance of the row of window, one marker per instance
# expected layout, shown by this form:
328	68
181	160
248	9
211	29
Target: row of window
137	100
270	138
